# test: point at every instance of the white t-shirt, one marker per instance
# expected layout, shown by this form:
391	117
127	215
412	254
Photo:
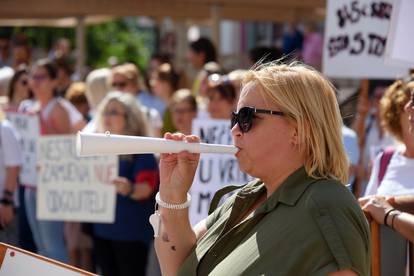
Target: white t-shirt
75	116
398	179
374	144
10	152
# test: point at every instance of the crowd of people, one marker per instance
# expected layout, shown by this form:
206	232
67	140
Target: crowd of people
303	158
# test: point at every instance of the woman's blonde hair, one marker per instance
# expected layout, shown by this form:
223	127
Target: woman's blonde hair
131	72
392	105
97	86
310	103
135	120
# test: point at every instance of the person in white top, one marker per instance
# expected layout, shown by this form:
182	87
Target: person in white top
396	171
11	160
57	116
398	177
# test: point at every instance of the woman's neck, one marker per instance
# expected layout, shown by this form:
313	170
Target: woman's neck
409	151
44	101
409	145
274	181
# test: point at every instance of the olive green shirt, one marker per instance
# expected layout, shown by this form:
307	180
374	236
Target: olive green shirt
306	227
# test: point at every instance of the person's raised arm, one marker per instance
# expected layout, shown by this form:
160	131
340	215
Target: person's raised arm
176	238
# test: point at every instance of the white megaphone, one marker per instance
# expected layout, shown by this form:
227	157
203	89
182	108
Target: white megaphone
91	144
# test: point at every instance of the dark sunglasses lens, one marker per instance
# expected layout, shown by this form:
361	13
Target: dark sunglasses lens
245	118
119	84
233	119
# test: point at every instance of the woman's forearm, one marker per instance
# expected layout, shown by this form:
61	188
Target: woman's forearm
175	241
404	203
404	224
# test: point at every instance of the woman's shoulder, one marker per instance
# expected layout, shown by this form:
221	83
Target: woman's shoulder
7	129
329	192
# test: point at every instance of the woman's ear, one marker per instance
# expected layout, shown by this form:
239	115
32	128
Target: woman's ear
295	137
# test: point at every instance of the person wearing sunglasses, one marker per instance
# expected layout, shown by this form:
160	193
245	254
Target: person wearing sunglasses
222	97
18	88
297	217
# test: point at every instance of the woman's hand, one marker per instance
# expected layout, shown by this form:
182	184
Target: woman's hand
123	185
376	206
177	170
6	215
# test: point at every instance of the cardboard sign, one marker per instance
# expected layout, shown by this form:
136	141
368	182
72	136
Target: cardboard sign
355	38
214	170
28	127
399	49
74	188
17	262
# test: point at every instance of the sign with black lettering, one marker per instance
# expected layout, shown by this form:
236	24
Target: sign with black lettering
214	170
399	49
355	39
74	188
28	128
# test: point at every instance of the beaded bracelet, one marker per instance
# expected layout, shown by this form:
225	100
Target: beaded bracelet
171	205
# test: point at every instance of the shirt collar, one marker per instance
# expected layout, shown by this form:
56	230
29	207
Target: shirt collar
289	191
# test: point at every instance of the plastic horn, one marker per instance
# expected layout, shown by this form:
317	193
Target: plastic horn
91	144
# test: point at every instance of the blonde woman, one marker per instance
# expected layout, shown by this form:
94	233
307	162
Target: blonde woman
297	217
121	248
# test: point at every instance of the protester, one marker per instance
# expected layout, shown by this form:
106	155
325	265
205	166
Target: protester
127	78
164	83
121	248
54	119
392	171
221	96
96	89
76	95
183	110
64	80
18	88
371	134
201	52
396	178
288	133
11	159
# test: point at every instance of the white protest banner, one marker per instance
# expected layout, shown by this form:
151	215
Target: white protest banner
28	127
399	49
214	170
355	39
74	188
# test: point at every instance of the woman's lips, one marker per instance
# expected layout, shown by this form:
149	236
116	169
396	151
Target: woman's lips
238	152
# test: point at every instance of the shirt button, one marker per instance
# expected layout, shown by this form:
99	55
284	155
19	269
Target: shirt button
214	253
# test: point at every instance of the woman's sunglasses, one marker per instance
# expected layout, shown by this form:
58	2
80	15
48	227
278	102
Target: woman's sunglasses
244	118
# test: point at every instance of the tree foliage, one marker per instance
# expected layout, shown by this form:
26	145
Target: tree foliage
122	38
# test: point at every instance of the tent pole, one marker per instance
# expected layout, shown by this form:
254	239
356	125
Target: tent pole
80	48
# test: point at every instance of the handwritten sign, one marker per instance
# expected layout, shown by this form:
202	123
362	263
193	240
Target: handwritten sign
214	170
355	39
28	128
399	49
74	188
